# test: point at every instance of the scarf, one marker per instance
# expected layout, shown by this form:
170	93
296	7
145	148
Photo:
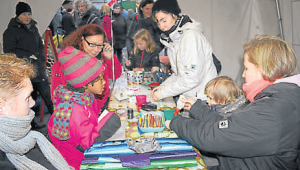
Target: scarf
64	100
16	140
180	21
254	88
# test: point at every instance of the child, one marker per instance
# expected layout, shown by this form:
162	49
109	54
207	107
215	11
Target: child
145	56
221	92
223	95
74	126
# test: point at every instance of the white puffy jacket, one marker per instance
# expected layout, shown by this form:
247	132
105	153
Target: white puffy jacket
191	60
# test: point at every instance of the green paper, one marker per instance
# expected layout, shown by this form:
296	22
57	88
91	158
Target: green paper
169	114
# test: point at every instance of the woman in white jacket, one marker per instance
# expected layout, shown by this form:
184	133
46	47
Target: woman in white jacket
189	52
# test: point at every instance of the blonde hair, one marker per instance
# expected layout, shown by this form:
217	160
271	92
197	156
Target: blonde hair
143	34
105	9
223	90
13	72
272	56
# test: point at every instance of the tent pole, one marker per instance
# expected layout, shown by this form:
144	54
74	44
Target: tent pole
279	19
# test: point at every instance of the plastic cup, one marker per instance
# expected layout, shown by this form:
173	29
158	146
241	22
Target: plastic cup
130	78
141	99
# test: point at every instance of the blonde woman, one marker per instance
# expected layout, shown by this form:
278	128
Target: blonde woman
145	56
263	133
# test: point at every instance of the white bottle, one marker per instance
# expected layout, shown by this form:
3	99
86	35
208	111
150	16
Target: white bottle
179	105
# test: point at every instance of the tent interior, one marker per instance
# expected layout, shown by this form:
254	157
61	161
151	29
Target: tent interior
227	24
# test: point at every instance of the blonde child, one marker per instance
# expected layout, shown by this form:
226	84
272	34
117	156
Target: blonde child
145	56
220	92
224	96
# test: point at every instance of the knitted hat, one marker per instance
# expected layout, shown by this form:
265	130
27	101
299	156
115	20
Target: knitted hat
22	7
78	67
170	6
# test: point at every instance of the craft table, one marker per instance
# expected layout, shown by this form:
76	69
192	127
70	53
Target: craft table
129	127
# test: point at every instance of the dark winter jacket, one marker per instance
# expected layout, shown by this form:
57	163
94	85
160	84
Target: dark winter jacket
119	30
26	43
68	23
149	60
142	23
34	154
91	16
262	135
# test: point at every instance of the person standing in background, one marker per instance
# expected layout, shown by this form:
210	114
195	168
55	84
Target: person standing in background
23	39
143	21
68	23
106	21
86	13
56	22
119	25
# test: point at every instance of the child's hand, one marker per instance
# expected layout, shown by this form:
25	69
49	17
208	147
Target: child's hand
188	102
127	62
154	69
167	123
138	69
107	51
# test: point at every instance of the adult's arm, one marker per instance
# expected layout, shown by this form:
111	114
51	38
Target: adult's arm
256	130
118	67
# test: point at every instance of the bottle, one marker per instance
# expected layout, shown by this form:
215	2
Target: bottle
179	105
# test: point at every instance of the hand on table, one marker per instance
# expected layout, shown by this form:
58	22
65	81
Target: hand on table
188	102
154	93
107	51
167	123
154	69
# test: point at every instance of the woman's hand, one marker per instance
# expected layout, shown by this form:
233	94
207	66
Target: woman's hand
154	93
127	62
188	102
107	51
167	123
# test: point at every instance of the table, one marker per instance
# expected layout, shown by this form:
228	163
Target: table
129	127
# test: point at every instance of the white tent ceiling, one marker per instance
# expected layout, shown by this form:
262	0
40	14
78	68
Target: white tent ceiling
227	24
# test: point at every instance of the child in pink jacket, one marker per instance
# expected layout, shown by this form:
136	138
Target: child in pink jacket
74	125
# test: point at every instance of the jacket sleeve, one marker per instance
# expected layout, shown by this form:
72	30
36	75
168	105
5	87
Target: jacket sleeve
107	27
118	67
191	60
85	127
251	132
9	42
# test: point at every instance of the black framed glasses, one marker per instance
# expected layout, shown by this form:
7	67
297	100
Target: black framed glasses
93	45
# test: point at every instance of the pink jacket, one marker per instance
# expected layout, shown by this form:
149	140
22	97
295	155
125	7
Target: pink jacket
83	128
57	77
107	27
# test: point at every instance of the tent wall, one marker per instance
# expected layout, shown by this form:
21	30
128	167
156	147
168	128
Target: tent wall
227	24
